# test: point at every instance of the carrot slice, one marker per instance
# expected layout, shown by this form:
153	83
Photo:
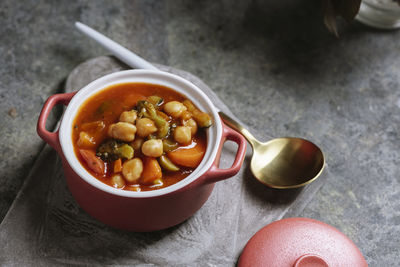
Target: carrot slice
93	162
188	157
151	171
118	166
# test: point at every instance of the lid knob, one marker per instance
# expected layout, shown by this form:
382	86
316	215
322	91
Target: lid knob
310	260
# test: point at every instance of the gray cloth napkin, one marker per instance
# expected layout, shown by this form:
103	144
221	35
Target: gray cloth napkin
45	226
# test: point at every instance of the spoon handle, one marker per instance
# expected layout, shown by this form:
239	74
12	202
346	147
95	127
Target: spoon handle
238	127
116	49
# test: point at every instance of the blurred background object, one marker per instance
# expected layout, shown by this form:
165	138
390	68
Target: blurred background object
384	14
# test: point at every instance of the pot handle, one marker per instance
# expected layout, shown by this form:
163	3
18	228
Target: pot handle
215	174
51	137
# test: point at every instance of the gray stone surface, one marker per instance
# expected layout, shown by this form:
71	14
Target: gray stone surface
272	62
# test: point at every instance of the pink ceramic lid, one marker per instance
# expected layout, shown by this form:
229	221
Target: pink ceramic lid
300	242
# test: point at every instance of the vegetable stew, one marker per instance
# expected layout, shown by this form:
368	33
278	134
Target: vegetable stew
140	137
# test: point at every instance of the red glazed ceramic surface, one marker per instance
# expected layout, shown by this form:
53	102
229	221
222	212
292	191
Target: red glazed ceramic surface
149	210
300	242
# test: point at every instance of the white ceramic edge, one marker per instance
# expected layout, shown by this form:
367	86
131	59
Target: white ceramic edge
172	81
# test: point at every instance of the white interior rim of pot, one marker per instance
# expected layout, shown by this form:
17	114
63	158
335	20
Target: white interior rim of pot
172	81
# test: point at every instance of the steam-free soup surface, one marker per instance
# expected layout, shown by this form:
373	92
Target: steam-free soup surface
139	137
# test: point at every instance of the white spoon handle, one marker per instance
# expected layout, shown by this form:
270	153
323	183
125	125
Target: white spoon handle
123	54
116	49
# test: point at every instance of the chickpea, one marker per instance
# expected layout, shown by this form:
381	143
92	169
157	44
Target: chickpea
132	169
152	148
186	115
145	127
174	109
123	131
183	134
128	116
137	143
192	124
117	181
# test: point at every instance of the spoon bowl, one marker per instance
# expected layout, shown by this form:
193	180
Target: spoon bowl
282	163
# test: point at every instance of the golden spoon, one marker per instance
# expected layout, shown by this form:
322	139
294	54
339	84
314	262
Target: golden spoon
282	162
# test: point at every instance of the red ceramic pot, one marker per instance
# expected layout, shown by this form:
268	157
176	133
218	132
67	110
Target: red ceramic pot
150	210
